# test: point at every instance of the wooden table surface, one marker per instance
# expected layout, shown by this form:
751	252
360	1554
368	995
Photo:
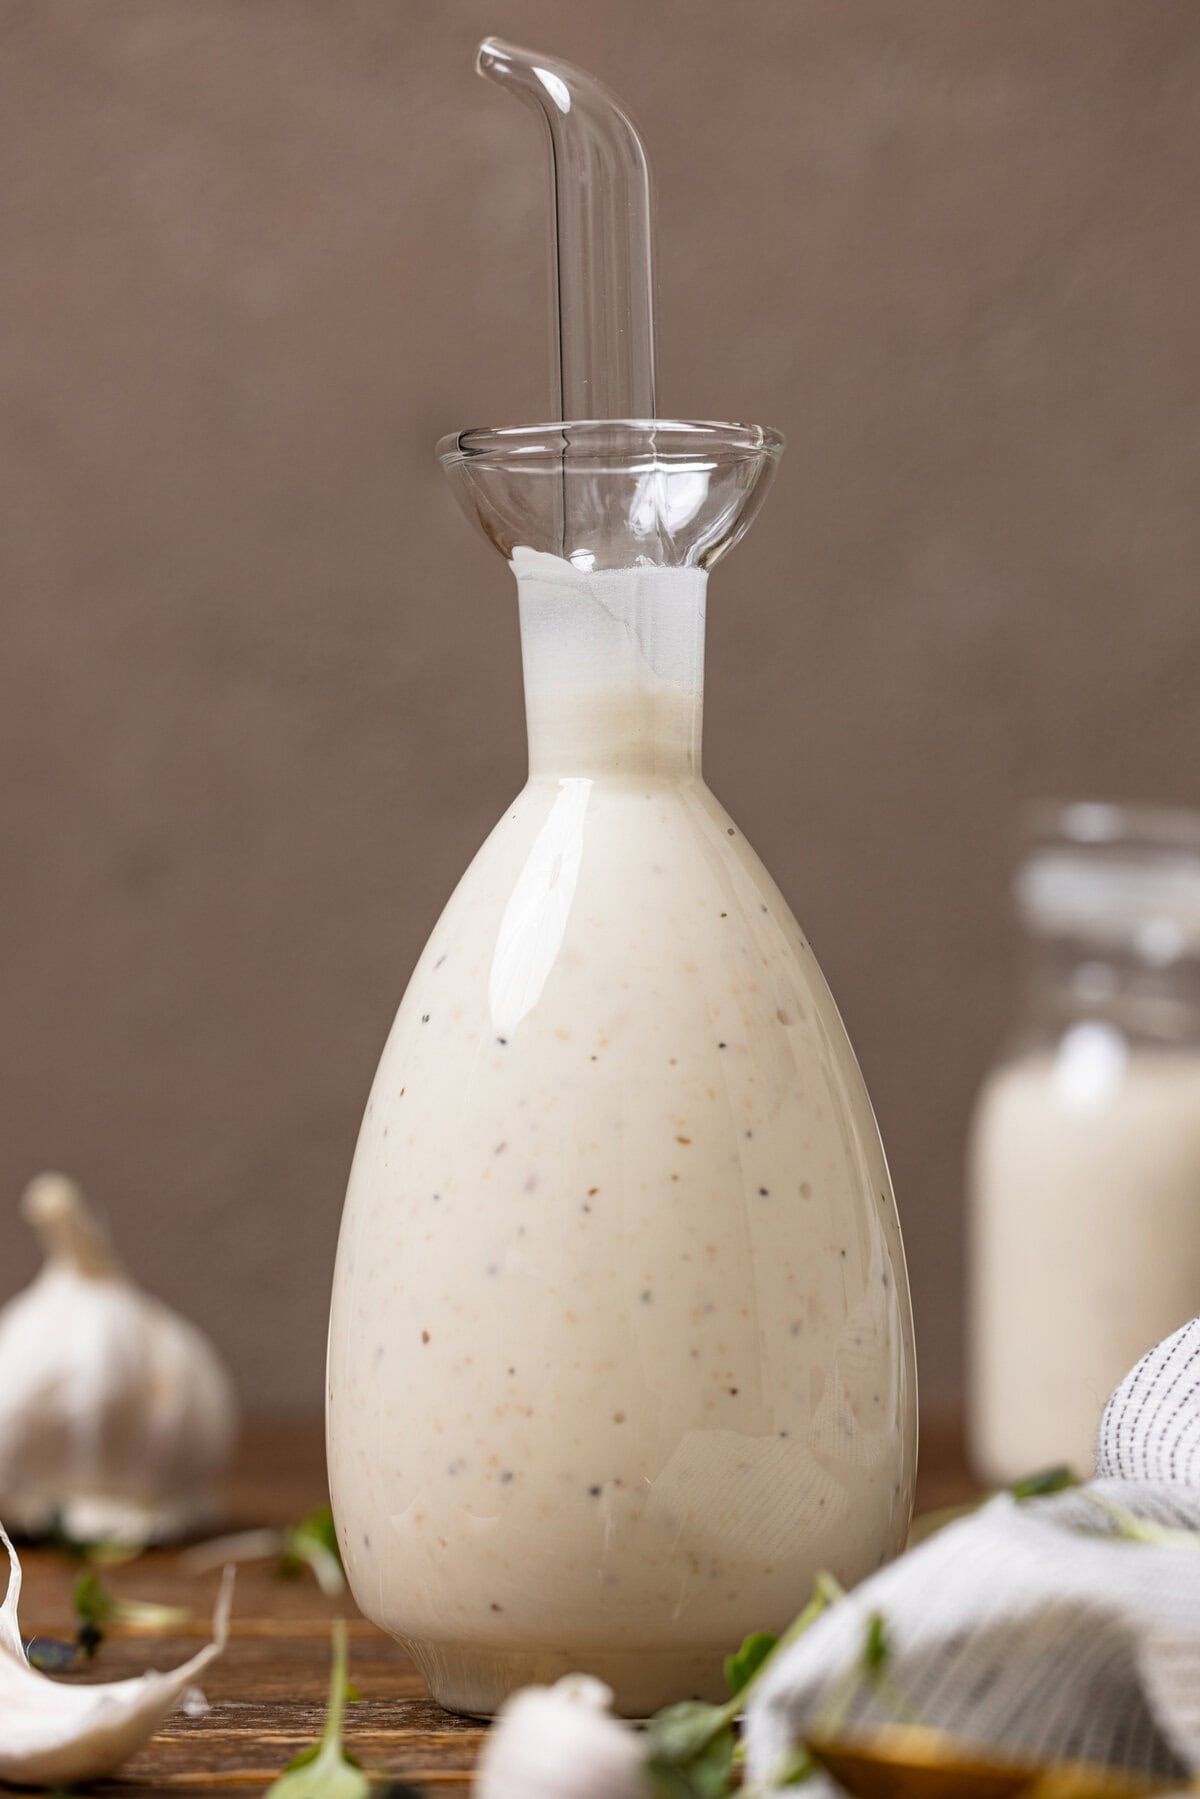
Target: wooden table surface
268	1690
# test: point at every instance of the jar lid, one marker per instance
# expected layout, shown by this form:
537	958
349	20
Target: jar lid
1117	875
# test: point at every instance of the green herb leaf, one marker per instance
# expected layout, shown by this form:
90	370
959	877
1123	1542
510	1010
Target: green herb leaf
326	1771
877	1649
741	1668
92	1603
1045	1480
313	1544
680	1732
796	1767
1133	1529
96	1606
307	1756
711	1773
691	1748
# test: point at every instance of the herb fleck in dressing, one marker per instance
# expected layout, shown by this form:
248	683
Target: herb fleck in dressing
647	1352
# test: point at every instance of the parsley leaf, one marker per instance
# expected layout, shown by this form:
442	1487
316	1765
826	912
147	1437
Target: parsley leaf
326	1771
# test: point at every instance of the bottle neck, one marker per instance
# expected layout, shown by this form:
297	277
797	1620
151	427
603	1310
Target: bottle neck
614	669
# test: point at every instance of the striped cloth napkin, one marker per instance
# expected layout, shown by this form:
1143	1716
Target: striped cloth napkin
1058	1628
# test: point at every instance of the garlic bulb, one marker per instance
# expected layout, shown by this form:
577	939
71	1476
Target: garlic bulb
116	1415
54	1731
561	1742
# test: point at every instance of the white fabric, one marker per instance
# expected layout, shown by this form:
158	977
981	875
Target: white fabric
1033	1627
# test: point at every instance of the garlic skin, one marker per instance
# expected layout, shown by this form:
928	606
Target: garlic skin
53	1732
561	1742
116	1415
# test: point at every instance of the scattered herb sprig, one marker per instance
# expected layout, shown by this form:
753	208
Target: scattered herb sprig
692	1748
1125	1524
311	1544
1032	1486
95	1607
327	1770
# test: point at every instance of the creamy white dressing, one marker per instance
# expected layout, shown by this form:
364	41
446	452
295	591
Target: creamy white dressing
620	1352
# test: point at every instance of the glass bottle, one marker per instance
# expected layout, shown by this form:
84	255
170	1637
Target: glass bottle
1084	1162
620	1350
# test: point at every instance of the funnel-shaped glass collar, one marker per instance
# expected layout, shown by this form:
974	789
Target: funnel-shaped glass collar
614	493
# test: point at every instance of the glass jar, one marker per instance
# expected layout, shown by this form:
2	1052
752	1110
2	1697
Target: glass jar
1084	1160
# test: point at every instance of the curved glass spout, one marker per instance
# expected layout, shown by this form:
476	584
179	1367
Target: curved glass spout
603	262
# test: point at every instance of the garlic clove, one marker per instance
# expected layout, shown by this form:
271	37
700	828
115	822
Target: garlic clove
561	1742
53	1733
116	1415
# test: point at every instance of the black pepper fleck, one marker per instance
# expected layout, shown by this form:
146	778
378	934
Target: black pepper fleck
594	1492
506	1477
424	1018
424	1336
842	1253
720	1046
730	832
495	1607
647	1296
502	1040
762	1193
733	1392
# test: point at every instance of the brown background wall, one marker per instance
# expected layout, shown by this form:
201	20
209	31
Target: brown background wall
259	693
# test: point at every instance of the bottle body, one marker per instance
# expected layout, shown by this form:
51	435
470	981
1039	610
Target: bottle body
1084	1160
620	1352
